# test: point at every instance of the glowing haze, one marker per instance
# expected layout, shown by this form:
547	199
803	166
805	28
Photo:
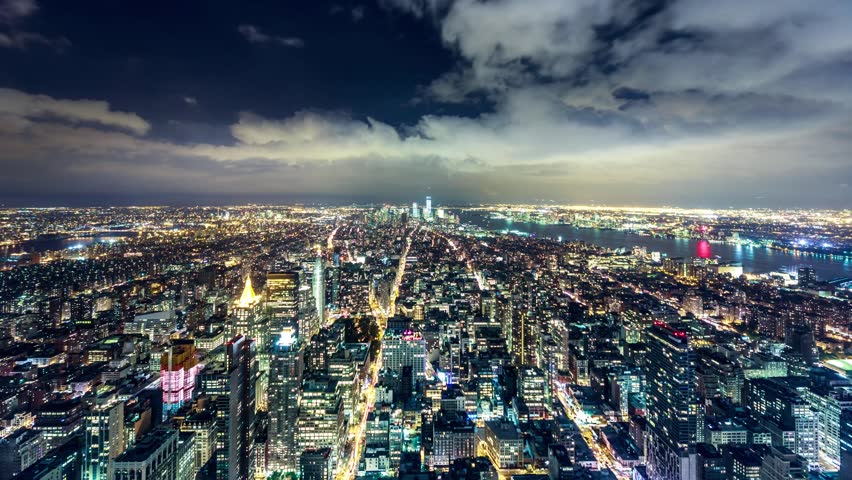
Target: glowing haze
681	102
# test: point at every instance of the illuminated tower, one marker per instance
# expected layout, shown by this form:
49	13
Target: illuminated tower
674	411
246	313
286	368
427	211
319	290
415	212
104	437
178	369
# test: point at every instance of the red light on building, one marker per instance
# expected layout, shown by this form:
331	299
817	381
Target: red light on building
703	250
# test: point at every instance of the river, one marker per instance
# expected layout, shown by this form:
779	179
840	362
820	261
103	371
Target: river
47	244
753	259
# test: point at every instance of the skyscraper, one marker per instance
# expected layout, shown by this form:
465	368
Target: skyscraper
319	289
286	368
674	411
282	297
232	387
427	211
104	439
178	369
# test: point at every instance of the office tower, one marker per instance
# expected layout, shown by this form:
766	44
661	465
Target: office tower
158	456
319	291
286	367
282	297
503	444
807	276
674	412
846	445
231	386
316	464
178	368
248	320
829	403
453	437
789	418
103	439
321	421
202	424
427	211
415	212
403	347
534	390
19	450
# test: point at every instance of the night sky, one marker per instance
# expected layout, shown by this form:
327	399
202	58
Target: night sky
620	102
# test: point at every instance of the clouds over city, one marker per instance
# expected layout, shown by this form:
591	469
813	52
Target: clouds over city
613	101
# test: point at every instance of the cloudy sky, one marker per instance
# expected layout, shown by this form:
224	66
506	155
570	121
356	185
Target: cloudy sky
680	102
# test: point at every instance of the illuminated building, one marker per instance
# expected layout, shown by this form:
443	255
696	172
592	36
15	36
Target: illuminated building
178	368
780	408
503	444
415	212
453	437
319	291
321	420
674	411
533	389
104	439
404	348
846	445
427	211
282	295
203	425
246	311
286	367
232	388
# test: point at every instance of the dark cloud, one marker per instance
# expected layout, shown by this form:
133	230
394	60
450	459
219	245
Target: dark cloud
613	100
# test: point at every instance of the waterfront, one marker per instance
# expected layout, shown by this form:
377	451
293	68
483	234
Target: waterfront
753	259
48	244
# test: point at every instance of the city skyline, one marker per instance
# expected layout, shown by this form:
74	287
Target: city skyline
587	102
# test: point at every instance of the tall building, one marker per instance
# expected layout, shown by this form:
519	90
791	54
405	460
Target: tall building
248	321
415	212
404	347
319	290
232	387
104	439
674	412
282	297
321	420
846	445
427	211
778	407
533	388
286	368
178	369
